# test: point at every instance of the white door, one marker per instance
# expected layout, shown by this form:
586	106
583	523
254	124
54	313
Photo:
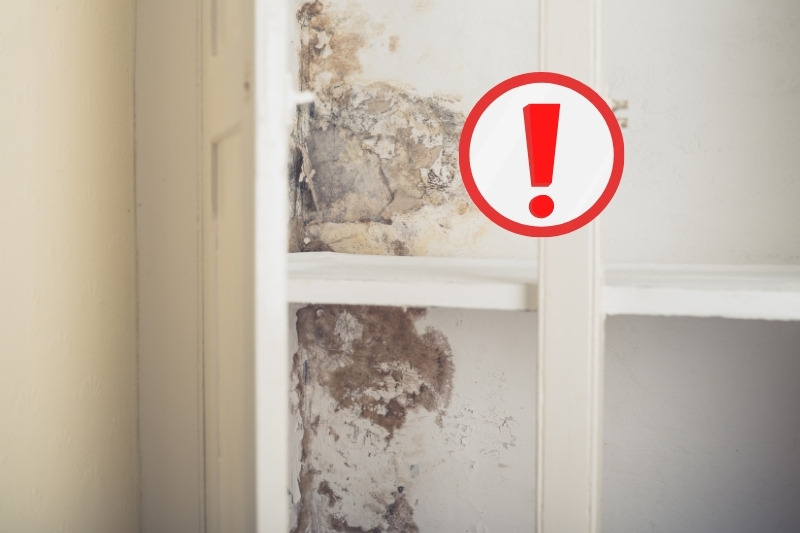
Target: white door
228	261
245	136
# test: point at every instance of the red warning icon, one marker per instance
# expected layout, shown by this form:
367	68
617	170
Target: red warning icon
541	154
541	130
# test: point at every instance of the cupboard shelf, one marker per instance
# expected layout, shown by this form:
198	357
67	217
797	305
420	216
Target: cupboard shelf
769	292
328	277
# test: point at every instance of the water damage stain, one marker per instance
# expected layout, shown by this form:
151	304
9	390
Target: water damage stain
375	168
361	371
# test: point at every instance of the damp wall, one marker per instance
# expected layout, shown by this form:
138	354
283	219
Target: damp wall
375	158
403	418
412	420
701	429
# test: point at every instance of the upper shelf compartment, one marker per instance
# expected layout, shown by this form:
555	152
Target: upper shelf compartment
769	292
710	163
327	277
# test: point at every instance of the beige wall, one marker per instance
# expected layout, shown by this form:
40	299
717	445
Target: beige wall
68	391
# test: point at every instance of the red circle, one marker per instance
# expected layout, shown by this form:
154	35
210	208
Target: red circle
527	79
541	206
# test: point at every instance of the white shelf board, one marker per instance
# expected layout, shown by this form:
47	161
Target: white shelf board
749	292
769	292
327	277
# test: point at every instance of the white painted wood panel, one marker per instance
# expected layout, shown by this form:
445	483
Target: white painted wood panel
766	292
570	350
228	244
570	366
268	51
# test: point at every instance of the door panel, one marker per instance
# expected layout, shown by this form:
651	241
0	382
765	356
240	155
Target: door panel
228	266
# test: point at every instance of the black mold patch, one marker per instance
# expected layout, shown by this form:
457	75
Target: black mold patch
325	489
344	186
400	516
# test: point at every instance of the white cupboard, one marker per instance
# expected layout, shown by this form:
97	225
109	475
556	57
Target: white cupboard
667	346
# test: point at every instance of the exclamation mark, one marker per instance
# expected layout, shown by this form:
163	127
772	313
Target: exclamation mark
541	130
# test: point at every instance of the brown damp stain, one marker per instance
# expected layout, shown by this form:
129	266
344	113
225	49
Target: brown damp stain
339	524
400	516
374	365
373	361
327	44
366	156
422	6
325	489
304	515
399	248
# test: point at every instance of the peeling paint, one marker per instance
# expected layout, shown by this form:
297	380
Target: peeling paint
362	370
375	171
393	41
473	434
376	165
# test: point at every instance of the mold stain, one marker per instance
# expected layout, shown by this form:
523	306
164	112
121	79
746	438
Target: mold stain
363	371
375	168
423	5
400	516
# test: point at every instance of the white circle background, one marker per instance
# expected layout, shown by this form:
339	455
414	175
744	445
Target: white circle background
584	156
